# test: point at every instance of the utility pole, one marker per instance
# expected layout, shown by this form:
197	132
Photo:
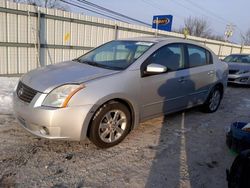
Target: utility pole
229	31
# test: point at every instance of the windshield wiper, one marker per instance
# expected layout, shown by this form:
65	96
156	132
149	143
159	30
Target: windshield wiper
90	63
76	59
93	63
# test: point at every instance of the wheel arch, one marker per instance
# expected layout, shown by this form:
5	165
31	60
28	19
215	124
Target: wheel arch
220	87
123	101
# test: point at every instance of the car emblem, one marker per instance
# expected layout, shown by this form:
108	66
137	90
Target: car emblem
20	92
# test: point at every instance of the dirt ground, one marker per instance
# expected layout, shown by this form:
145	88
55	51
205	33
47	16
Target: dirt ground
186	150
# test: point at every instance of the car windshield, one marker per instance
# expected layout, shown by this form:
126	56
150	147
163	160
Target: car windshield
115	55
238	58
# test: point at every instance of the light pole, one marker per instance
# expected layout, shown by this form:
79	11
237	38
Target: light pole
156	27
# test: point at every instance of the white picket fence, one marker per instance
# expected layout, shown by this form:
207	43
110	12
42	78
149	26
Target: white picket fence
31	37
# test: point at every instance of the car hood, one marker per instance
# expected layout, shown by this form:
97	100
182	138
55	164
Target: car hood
47	78
238	66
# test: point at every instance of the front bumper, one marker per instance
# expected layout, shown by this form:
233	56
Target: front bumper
239	79
70	123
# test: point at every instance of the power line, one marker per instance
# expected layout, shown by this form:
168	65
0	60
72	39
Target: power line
81	7
159	8
185	7
179	4
98	11
222	20
201	12
192	9
215	16
112	12
218	17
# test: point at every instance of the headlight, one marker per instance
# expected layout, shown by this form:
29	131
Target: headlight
243	71
60	96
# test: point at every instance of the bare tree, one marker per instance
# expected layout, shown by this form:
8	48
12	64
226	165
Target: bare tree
44	3
217	37
245	38
197	27
49	3
17	1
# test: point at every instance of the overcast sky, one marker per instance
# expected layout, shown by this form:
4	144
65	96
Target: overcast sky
218	13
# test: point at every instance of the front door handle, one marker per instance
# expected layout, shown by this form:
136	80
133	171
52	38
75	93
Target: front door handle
182	79
210	72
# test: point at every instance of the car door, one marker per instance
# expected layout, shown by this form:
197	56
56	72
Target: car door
165	92
202	73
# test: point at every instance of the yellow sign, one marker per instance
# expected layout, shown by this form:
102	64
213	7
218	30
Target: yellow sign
185	32
66	37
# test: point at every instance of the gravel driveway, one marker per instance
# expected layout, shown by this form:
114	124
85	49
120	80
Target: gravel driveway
185	149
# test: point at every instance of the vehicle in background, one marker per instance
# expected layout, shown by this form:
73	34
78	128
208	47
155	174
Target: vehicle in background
239	68
107	92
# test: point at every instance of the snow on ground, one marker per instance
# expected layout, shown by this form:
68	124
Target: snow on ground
184	149
7	85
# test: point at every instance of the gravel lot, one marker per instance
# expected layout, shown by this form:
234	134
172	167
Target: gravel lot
185	149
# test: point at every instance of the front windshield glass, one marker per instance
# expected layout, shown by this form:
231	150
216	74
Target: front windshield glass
116	55
238	58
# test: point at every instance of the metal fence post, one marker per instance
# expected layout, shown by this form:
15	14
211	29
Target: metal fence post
38	47
241	48
219	50
7	40
231	51
116	32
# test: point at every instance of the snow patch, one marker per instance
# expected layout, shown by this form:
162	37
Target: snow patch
246	102
7	86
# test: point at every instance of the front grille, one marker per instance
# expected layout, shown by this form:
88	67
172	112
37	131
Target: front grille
25	93
233	71
231	79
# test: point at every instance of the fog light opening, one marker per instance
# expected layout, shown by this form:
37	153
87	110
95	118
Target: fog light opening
243	79
44	131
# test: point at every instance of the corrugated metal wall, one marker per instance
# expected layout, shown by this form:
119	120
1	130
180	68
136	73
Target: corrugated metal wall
31	37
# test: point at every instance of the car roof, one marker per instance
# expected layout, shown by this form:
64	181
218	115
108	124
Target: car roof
147	39
165	39
154	39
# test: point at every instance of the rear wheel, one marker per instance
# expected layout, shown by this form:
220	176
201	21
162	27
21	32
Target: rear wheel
213	101
110	125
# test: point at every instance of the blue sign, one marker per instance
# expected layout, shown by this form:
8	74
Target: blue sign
162	22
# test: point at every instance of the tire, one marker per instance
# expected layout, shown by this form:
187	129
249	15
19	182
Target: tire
110	125
213	101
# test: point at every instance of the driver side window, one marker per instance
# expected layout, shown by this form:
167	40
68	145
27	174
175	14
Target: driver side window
170	56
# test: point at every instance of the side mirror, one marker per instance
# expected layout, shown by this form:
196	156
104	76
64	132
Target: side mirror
155	69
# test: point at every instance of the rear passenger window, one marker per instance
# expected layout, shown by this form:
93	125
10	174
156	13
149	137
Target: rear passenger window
198	56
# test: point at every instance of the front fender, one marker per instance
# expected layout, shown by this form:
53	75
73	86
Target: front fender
116	96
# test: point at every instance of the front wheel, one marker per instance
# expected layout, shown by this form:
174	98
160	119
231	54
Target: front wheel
110	125
213	101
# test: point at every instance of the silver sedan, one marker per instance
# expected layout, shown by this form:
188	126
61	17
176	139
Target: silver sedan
107	92
239	68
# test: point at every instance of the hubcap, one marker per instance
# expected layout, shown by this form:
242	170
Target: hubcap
215	100
112	126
